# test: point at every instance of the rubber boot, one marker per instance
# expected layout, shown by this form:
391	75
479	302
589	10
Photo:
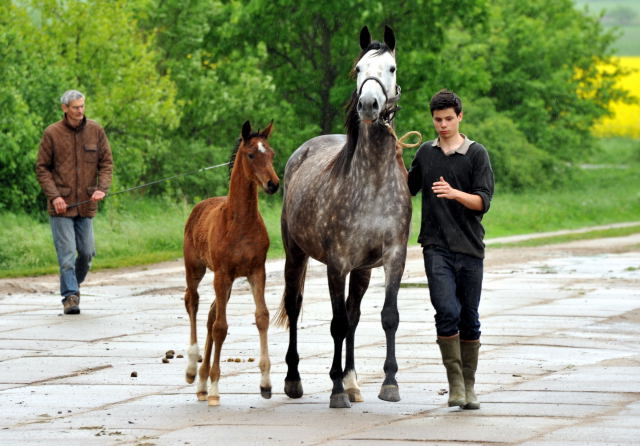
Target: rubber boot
469	351
450	350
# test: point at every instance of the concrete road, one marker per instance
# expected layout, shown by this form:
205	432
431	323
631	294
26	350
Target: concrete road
559	365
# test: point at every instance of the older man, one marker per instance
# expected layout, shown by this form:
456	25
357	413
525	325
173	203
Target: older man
74	165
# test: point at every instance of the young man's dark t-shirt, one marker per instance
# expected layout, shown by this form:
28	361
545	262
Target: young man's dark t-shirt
447	223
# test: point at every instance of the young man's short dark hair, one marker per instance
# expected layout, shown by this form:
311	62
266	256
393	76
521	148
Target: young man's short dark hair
445	99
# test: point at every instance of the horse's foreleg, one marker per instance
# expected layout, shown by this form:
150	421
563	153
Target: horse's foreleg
257	281
203	374
222	284
358	284
393	269
194	273
339	328
295	268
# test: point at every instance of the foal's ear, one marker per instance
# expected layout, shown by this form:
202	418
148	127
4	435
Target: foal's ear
246	130
267	131
389	37
365	37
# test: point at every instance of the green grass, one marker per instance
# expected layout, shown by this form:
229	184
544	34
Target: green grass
132	231
589	235
628	44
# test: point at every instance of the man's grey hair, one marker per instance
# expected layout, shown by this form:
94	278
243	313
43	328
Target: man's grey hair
70	95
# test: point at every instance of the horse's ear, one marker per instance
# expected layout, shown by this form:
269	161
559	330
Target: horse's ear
246	130
365	37
389	37
267	131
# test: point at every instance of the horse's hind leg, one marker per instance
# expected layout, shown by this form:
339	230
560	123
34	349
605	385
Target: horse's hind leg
218	332
295	269
358	284
257	281
195	271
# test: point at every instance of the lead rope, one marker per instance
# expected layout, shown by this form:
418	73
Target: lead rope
400	142
151	183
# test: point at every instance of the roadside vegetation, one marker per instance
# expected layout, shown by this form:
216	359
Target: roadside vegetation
177	79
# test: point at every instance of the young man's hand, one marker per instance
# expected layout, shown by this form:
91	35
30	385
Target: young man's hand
97	195
442	189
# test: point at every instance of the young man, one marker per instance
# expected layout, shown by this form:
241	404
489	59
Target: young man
74	164
456	180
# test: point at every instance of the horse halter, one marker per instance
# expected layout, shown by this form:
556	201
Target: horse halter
391	106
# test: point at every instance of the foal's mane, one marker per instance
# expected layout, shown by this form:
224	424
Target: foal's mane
342	161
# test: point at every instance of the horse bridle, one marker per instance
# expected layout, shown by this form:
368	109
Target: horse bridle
391	106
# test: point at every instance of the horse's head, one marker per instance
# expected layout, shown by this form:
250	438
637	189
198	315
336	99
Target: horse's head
257	157
376	76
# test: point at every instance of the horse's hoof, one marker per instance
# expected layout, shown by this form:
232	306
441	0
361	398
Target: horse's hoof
265	392
354	395
293	389
389	392
189	378
213	400
202	396
339	401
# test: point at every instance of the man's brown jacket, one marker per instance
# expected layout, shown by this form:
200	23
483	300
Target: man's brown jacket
74	162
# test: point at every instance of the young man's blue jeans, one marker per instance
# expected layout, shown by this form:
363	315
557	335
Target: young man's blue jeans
455	283
75	247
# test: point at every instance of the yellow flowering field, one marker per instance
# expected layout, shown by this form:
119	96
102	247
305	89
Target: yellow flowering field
626	119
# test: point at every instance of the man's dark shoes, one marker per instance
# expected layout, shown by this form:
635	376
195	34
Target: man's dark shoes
71	304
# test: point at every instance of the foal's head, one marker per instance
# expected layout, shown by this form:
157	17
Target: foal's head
376	75
254	156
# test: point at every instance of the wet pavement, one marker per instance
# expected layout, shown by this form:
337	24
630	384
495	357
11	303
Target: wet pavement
559	364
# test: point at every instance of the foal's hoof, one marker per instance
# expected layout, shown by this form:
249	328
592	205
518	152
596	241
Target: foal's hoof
265	392
389	392
202	396
293	389
213	400
354	395
339	401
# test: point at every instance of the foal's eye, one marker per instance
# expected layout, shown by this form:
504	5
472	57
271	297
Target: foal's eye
392	69
251	156
357	69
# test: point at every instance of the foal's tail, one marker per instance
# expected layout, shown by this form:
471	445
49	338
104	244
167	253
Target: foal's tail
281	319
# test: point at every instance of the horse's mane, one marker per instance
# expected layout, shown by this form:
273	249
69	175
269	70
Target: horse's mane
232	158
342	161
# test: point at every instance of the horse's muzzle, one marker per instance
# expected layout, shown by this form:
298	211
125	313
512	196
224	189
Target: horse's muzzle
272	187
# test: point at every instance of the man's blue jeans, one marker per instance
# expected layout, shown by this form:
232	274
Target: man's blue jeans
455	284
75	247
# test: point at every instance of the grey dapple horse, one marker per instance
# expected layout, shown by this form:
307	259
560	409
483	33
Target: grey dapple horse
347	204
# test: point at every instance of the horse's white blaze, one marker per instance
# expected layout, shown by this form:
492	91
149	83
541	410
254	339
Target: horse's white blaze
380	66
350	381
192	356
261	148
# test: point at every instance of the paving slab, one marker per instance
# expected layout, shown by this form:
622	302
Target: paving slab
559	363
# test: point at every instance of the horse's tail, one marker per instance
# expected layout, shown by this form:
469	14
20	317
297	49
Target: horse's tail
281	319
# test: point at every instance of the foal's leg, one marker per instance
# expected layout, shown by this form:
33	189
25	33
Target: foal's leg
295	269
203	374
358	284
393	268
339	328
195	270
257	281
222	284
